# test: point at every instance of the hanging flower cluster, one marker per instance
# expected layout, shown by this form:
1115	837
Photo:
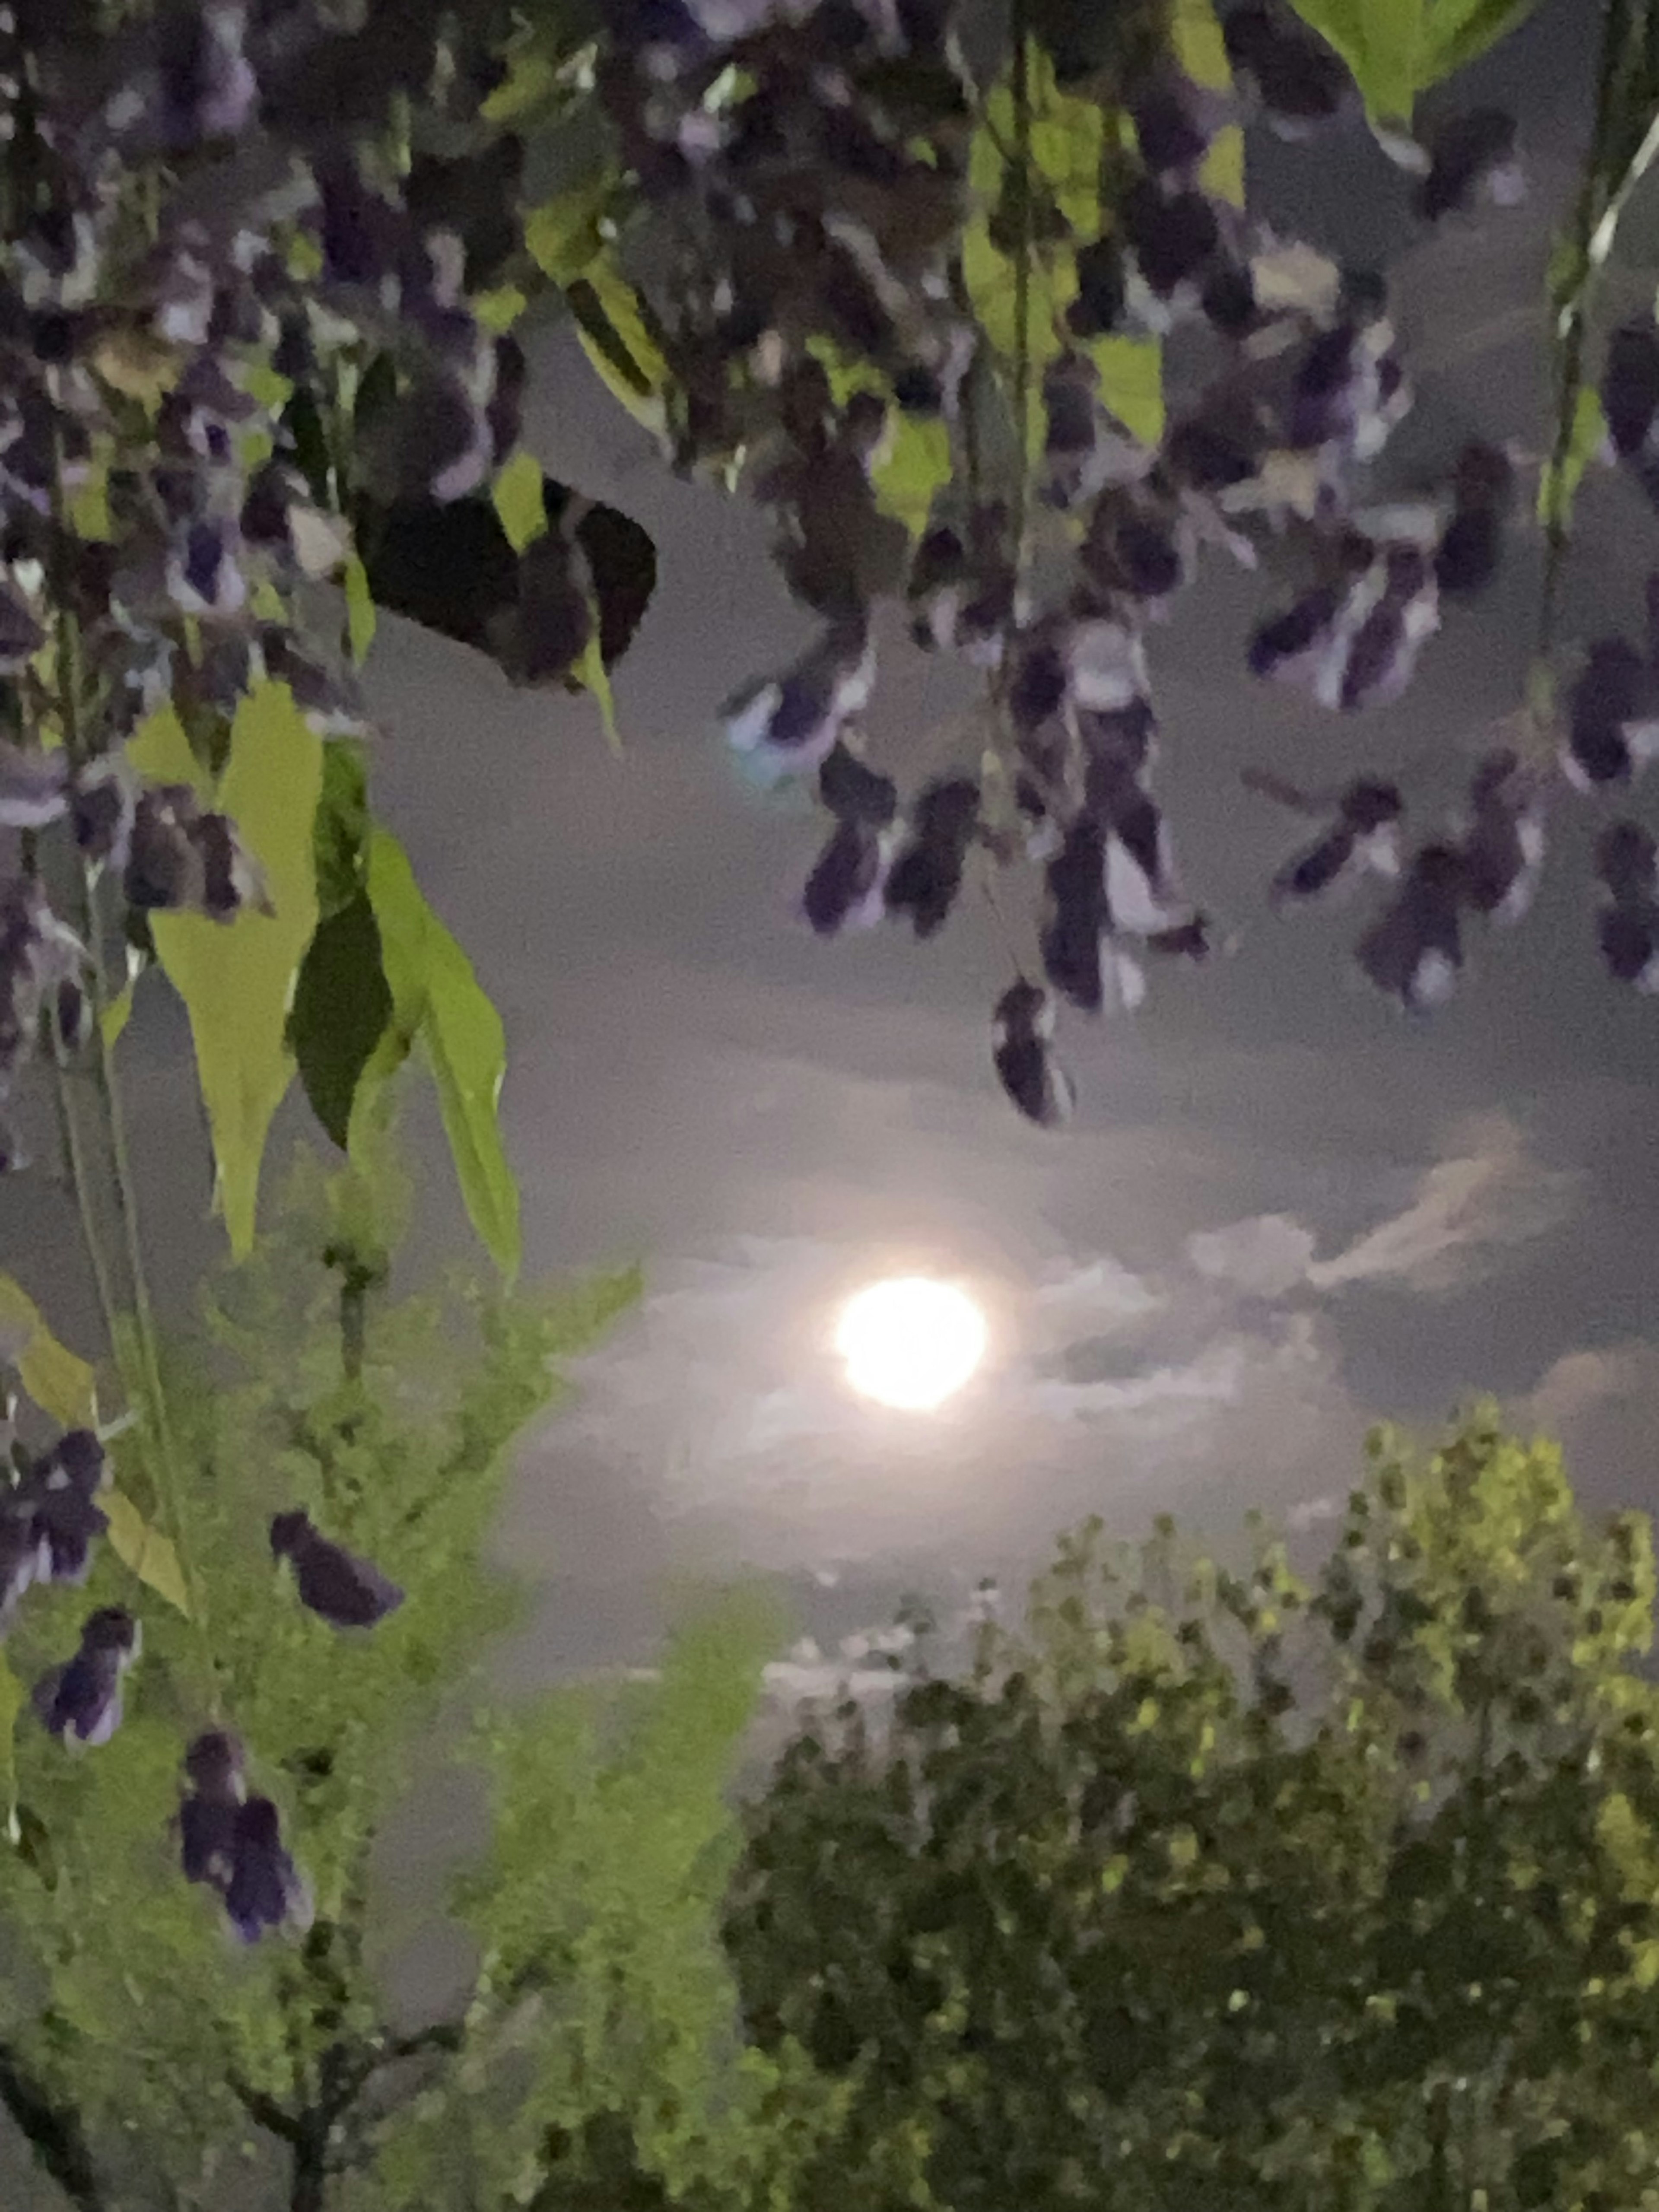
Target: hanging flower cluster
836	185
239	362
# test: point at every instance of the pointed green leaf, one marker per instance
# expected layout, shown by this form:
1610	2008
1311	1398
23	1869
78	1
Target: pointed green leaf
1195	34
519	500
563	238
615	339
1397	49
161	752
144	1550
1461	30
11	1704
60	1383
341	839
342	1005
236	979
436	998
118	1012
591	672
360	609
498	310
532	78
1132	383
918	463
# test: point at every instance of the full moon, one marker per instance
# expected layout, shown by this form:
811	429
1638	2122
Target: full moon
910	1342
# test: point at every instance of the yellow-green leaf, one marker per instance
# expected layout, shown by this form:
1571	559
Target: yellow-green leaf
144	1550
563	238
117	1014
497	310
591	672
1202	53
615	339
89	508
531	79
437	999
1132	383
11	1704
360	609
518	499
236	978
60	1383
918	463
162	752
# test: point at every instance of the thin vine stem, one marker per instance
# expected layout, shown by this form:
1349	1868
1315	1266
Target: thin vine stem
1591	241
1022	98
80	1180
165	1461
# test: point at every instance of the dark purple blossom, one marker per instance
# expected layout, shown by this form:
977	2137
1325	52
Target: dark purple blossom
33	786
264	1891
927	873
787	725
1078	917
340	1588
1297	78
1503	850
1628	926
1414	952
1612	715
1021	1029
1467	557
80	1703
854	791
1363	839
1471	156
847	887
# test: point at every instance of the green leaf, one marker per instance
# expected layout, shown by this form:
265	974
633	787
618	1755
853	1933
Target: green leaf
917	465
60	1383
341	836
118	1012
1397	49
1559	487
1461	30
1132	383
360	609
144	1550
532	79
1199	48
11	1704
437	999
1067	142
236	979
563	238
162	752
498	310
615	339
519	500
591	672
342	1005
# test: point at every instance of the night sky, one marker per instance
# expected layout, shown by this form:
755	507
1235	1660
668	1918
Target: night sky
1282	1211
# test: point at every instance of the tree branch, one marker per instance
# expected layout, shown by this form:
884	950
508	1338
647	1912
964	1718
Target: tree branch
52	2131
274	2118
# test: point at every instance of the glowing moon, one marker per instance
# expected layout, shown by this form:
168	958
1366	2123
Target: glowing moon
910	1342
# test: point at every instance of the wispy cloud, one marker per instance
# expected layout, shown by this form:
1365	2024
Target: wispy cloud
1491	1193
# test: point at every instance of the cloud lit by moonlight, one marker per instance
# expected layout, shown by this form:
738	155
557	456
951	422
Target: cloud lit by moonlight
910	1342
